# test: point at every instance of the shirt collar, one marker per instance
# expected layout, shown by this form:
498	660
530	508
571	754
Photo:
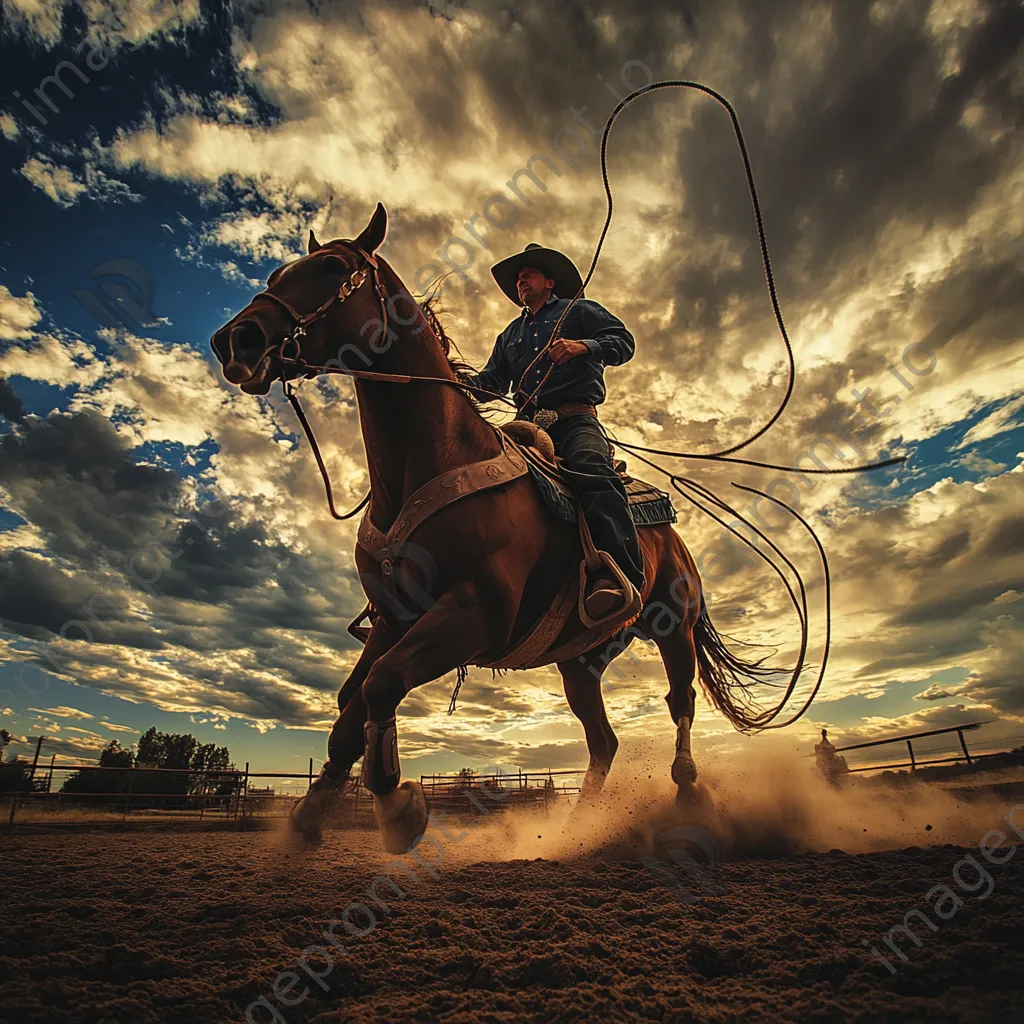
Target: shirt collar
551	300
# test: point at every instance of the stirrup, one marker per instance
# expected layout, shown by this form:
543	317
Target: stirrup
630	606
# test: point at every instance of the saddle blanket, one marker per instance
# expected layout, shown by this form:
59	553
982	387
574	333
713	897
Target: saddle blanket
647	505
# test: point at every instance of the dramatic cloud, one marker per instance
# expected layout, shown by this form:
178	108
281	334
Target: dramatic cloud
58	183
61	185
18	315
885	143
62	712
10	404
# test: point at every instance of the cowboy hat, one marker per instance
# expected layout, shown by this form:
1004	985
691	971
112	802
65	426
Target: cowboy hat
549	262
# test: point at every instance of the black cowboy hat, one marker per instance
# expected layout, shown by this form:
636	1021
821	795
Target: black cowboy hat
549	262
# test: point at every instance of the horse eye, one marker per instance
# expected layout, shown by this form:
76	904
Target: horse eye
335	264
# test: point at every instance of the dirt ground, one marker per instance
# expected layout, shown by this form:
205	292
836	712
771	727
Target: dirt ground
188	927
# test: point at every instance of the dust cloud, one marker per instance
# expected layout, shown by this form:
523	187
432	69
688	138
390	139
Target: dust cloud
755	805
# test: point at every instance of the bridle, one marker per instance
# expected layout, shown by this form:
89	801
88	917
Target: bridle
288	351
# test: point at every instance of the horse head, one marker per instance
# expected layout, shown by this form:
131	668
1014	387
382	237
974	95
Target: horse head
292	328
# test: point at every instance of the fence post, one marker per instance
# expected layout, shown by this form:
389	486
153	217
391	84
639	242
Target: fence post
310	786
14	807
243	803
35	760
913	763
128	797
963	743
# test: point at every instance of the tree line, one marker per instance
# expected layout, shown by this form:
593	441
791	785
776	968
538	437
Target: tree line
181	756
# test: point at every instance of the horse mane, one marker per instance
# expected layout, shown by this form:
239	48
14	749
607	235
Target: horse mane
464	372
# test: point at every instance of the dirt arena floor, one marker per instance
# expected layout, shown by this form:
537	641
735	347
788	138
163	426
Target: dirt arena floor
196	927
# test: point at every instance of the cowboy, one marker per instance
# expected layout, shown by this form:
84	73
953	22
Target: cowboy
829	763
564	387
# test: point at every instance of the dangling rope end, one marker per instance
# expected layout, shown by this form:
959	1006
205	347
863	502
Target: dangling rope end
460	677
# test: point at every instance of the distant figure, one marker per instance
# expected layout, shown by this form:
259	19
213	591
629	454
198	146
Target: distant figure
5	742
831	765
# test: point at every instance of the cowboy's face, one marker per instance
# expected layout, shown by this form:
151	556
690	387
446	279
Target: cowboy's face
533	286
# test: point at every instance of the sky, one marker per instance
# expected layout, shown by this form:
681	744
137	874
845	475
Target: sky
194	144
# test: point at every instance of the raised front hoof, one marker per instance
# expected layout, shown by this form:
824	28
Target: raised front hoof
401	816
684	770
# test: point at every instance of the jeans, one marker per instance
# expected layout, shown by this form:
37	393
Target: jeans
601	494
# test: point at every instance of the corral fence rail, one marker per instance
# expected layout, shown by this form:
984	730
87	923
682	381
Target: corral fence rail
918	760
148	795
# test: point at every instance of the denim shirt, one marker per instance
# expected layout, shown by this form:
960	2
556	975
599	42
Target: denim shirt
578	380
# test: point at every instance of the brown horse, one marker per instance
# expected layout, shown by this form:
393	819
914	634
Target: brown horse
492	561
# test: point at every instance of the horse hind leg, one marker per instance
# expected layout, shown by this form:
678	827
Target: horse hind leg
582	681
680	659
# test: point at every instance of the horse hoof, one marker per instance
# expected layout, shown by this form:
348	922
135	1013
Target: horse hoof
401	816
307	817
684	771
695	801
305	820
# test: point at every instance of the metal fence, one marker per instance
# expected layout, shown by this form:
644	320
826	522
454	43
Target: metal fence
242	798
916	760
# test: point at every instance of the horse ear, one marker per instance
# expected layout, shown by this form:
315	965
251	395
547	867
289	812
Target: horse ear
313	245
373	234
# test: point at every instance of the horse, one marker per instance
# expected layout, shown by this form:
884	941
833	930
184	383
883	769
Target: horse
497	557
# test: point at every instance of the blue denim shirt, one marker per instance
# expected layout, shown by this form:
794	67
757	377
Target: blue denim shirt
577	380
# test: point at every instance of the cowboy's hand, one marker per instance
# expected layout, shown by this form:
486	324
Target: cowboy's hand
565	349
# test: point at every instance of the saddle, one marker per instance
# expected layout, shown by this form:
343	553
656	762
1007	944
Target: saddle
525	448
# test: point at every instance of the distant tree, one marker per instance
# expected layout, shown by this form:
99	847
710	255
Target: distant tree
185	755
15	776
93	780
208	757
114	755
167	750
182	753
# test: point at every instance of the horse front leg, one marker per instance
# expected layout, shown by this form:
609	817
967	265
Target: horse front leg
345	743
452	633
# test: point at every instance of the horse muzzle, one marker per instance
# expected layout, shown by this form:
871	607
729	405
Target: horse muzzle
246	355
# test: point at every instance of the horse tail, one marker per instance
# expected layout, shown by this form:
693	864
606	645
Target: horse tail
726	677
